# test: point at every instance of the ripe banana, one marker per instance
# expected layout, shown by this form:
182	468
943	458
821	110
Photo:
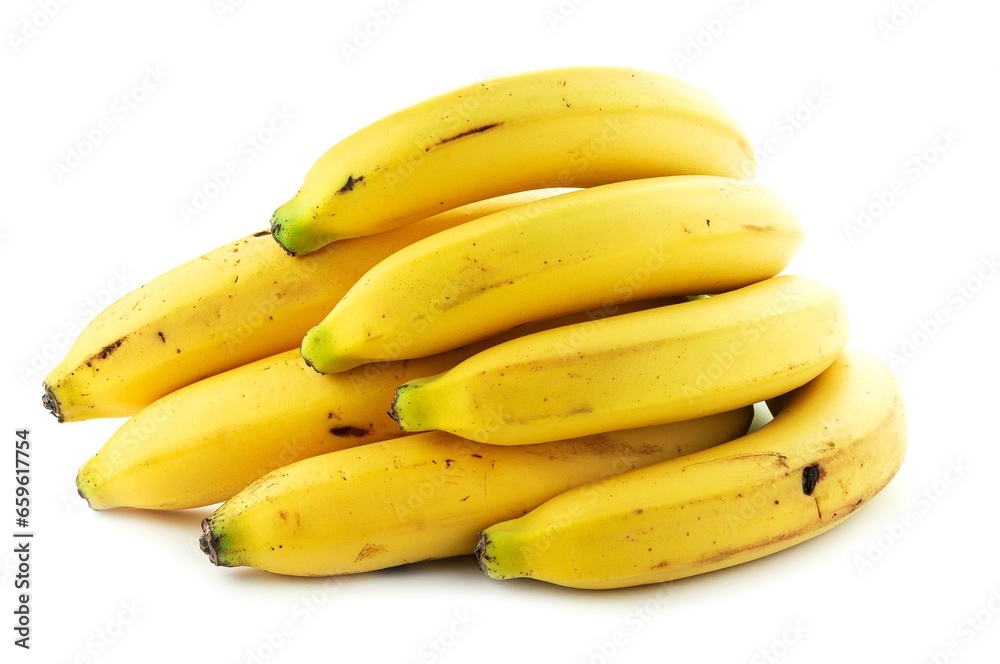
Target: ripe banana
650	367
836	442
647	238
242	302
204	442
423	497
571	127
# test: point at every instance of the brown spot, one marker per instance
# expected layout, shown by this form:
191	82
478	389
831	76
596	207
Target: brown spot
261	233
282	515
349	432
810	476
661	564
105	352
162	338
349	185
368	551
448	462
468	132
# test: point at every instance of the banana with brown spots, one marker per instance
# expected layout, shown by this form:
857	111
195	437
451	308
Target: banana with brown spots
833	445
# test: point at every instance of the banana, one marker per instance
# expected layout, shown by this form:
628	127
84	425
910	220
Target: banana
569	127
423	497
836	442
656	237
649	367
244	301
202	443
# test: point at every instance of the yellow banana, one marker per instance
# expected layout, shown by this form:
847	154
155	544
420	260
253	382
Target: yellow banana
628	240
242	302
836	442
423	497
649	367
204	442
570	127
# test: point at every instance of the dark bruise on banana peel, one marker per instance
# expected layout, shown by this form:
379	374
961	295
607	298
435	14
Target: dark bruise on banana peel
810	476
349	431
467	132
349	185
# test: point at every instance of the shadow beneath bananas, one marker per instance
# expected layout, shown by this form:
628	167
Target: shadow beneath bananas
430	573
174	522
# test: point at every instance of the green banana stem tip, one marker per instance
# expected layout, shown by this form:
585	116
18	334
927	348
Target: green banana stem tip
84	496
404	411
309	362
276	233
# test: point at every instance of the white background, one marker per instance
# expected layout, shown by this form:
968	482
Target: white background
899	582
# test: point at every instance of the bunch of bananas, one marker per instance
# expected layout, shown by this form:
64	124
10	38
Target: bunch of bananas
531	319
